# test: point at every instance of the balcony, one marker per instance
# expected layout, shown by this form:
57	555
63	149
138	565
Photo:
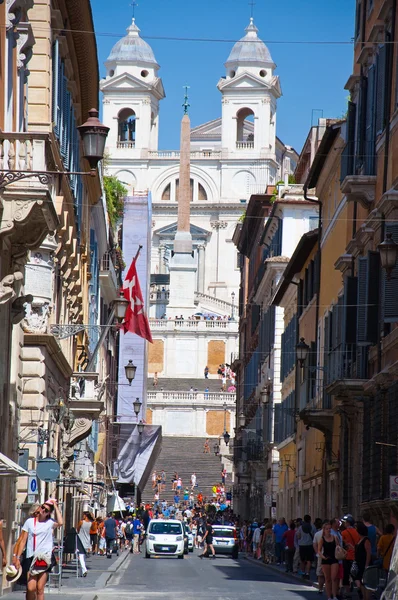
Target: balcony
159	294
28	214
86	402
175	154
198	399
108	279
193	325
319	414
245	145
360	188
126	144
345	370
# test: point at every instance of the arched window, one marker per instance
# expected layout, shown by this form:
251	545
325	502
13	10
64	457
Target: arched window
243	117
172	190
166	192
202	195
127	126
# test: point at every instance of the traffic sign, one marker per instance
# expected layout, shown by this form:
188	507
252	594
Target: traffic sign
393	487
268	500
31	499
48	469
33	488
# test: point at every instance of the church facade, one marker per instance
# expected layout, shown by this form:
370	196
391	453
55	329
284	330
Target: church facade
231	158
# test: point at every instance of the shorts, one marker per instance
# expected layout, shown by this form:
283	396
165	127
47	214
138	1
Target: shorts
306	553
209	540
94	539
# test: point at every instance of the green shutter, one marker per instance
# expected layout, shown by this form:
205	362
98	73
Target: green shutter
370	146
361	125
390	287
381	89
349	318
362	313
373	297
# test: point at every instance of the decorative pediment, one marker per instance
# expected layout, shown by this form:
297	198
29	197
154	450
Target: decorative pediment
247	80
170	230
129	82
212	130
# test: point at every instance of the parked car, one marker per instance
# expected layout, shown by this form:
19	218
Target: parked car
190	537
225	540
165	537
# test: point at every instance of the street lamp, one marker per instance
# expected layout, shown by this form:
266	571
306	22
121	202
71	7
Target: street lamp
120	305
225	416
388	254
233	306
140	427
241	419
302	351
93	134
130	370
137	407
265	396
226	437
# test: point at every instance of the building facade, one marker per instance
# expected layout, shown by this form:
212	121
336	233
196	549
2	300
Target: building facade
271	229
231	157
58	277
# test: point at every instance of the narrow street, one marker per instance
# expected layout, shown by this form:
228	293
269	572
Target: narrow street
221	579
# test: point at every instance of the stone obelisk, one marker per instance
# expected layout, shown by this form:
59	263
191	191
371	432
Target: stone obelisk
182	266
183	238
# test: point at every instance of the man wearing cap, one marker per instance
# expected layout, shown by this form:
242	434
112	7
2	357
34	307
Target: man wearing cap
350	539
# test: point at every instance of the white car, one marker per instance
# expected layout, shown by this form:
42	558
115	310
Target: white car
165	537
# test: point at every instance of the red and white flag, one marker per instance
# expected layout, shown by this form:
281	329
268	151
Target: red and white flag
135	320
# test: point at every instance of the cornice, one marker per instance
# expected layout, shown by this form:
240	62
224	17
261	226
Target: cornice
54	350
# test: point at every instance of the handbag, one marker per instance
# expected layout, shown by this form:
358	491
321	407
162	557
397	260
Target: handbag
340	553
354	570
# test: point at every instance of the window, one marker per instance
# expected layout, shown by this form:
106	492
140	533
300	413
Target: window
165	528
243	117
172	191
126	126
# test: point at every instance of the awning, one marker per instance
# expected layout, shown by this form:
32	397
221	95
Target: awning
8	468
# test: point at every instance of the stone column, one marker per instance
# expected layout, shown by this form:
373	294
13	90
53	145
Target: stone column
201	268
161	259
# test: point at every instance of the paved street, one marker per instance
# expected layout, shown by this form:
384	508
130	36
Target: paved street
221	579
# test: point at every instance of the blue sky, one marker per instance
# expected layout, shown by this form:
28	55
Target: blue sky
312	75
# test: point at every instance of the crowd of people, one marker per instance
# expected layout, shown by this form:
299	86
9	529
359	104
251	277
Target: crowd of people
186	497
338	549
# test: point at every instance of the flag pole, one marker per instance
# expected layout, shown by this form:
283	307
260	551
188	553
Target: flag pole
138	253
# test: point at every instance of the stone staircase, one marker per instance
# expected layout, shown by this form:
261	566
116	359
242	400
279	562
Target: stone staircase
185	455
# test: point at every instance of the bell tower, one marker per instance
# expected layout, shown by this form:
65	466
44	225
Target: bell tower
249	95
132	91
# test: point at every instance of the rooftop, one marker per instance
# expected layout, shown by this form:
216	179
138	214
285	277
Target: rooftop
250	49
133	49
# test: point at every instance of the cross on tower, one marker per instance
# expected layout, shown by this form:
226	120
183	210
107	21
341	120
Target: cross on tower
252	4
134	4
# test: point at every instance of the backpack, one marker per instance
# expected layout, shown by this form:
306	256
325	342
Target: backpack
129	529
306	528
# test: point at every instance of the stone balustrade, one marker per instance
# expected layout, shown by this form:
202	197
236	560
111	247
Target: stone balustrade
244	145
218	302
210	399
175	154
22	151
201	326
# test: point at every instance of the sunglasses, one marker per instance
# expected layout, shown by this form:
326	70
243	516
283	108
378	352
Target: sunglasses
45	508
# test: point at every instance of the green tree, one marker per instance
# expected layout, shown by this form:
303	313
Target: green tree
115	192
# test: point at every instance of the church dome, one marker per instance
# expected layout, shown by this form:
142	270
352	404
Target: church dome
133	49
249	49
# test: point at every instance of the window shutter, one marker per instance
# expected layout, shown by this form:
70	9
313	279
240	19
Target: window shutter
380	89
349	311
347	157
373	297
390	287
362	312
326	346
361	125
55	84
316	272
300	298
370	135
